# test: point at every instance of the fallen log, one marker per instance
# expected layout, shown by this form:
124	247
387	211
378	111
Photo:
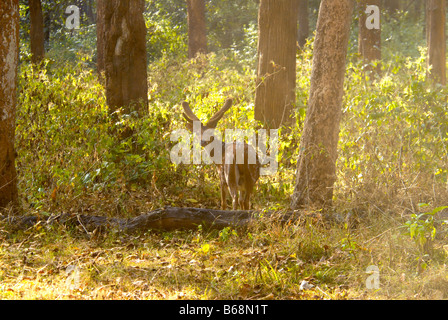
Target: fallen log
164	219
174	218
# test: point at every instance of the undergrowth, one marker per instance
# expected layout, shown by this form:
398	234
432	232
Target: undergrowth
306	259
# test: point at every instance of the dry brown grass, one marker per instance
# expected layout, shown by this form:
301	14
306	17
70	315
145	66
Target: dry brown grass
267	261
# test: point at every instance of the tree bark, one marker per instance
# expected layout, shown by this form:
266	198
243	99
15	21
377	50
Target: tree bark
100	36
369	40
416	9
9	51
47	27
125	55
316	167
197	32
88	7
392	5
435	26
165	219
304	24
37	35
277	50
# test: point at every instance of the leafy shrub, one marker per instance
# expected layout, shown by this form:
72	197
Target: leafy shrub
69	146
394	133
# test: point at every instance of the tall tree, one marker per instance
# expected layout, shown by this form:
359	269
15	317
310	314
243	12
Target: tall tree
9	51
369	42
416	9
316	166
100	35
37	35
276	74
435	37
304	24
197	33
392	5
124	52
87	7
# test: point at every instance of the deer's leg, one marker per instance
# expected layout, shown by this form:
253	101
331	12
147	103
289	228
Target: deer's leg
223	183
246	201
242	200
234	194
231	177
233	190
223	197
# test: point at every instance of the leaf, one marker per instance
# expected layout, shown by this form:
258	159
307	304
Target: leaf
205	248
53	194
412	229
438	209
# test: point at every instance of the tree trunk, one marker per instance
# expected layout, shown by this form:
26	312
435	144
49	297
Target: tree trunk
100	34
435	26
9	51
276	74
88	7
125	54
416	9
369	41
304	25
392	5
37	35
316	167
47	27
197	34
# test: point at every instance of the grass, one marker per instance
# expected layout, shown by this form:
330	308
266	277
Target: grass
266	261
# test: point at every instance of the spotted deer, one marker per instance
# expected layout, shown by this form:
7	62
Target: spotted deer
236	176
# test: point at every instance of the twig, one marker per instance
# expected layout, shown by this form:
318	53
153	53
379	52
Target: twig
380	235
77	217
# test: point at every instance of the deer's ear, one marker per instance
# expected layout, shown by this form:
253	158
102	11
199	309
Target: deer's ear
218	115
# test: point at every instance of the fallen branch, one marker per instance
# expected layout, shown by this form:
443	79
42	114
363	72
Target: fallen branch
165	219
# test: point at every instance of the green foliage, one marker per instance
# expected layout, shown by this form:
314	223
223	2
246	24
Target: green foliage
226	233
420	227
228	21
173	10
402	34
394	131
79	46
164	35
68	145
205	83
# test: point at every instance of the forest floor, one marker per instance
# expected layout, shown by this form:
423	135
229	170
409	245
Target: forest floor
311	258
